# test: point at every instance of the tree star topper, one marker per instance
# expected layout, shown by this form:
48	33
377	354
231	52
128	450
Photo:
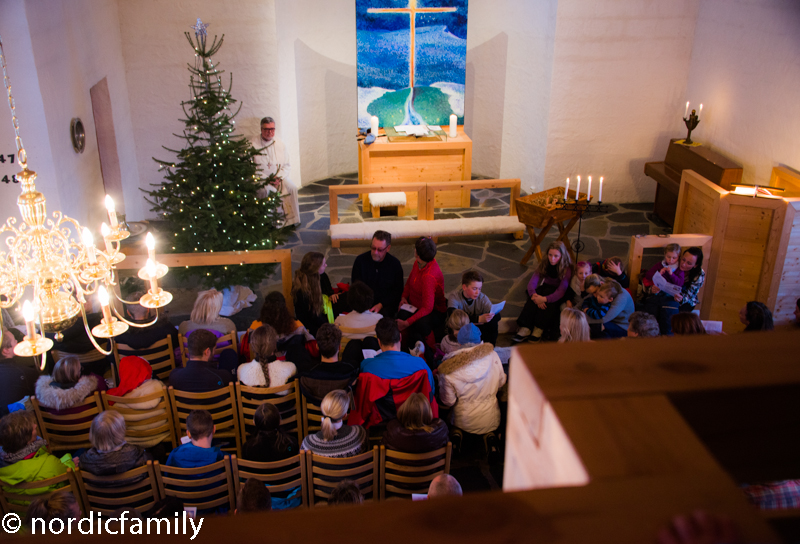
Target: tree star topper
200	28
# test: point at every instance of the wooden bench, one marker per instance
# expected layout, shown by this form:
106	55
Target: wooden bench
425	225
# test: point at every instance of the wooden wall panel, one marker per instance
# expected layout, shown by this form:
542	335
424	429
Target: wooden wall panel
789	287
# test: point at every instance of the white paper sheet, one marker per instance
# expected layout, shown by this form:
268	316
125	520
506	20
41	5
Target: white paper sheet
665	286
713	326
409	308
497	308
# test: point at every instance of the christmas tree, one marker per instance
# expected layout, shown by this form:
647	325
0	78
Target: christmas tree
209	193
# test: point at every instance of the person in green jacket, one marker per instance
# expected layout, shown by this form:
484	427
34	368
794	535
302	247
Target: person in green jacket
24	456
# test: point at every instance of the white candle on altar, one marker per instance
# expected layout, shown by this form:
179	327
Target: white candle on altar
566	190
600	196
27	315
150	242
374	125
589	189
105	231
686	113
88	241
578	189
453	125
699	112
112	214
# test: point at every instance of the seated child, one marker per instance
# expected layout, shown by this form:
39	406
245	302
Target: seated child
360	298
613	268
477	306
580	285
457	320
253	497
198	452
596	305
657	303
24	456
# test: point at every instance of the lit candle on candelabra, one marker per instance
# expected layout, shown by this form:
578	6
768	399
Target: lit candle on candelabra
88	241
105	231
589	189
700	112
150	267
102	294
686	113
27	315
150	242
112	213
566	190
578	189
600	196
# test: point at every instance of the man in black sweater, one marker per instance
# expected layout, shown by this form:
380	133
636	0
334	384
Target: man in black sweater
200	374
382	272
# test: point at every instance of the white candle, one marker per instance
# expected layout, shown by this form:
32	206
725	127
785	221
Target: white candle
105	231
27	315
686	113
150	268
112	214
699	112
102	294
600	196
150	242
88	241
453	125
373	125
566	190
589	190
578	189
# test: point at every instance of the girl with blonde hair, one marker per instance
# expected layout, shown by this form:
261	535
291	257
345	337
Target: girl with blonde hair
264	370
205	315
336	439
110	454
574	327
455	322
415	430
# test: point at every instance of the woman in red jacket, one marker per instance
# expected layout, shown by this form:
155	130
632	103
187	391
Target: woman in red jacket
424	291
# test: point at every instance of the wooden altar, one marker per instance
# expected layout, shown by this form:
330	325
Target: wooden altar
414	161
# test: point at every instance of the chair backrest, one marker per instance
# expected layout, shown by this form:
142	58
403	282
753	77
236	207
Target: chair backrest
68	432
280	476
17	498
160	355
206	488
312	416
222	405
369	331
142	424
225	341
286	399
325	472
137	488
405	473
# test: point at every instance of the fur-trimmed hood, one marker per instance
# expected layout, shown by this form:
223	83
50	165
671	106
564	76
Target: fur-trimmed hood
464	357
51	396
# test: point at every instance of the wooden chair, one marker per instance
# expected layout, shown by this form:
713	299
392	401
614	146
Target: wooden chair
9	493
281	477
405	473
103	494
206	488
139	428
160	355
222	405
325	472
369	331
248	399
227	341
312	416
68	432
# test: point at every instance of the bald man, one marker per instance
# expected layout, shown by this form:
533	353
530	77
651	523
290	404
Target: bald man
444	485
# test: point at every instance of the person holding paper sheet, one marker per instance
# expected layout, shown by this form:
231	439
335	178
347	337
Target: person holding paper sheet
477	306
693	278
660	301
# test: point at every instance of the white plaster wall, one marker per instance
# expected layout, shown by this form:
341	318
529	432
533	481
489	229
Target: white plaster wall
745	69
76	44
509	70
30	114
620	71
317	52
156	53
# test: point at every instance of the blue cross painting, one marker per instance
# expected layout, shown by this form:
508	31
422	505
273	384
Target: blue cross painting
412	57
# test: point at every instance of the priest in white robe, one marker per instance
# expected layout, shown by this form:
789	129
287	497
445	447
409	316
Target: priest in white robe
275	160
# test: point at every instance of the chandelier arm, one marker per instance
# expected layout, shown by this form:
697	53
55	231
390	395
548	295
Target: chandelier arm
137	325
91	336
44	362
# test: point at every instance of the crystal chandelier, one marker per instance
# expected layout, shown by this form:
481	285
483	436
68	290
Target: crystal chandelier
43	253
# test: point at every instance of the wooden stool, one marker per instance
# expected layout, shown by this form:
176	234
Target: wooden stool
384	200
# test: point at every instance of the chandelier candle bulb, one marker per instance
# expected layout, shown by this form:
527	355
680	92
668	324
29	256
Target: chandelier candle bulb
150	267
112	213
566	190
578	189
88	241
589	189
600	196
105	231
150	242
27	315
102	294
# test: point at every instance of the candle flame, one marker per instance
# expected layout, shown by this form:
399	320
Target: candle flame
88	239
109	203
149	241
104	230
102	294
27	311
